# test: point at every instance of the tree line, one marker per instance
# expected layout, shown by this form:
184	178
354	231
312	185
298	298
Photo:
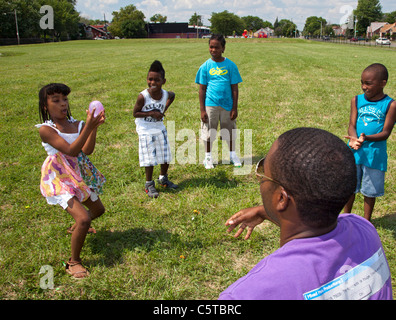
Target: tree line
28	18
129	22
366	12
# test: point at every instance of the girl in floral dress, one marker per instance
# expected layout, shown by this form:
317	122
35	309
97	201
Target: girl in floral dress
68	178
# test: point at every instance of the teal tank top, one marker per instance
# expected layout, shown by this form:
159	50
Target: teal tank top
371	120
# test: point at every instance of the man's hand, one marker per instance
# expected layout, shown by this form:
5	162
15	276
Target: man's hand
249	218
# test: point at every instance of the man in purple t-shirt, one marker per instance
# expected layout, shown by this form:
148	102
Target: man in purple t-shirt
306	179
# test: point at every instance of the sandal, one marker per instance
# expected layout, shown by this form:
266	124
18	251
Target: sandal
71	229
82	273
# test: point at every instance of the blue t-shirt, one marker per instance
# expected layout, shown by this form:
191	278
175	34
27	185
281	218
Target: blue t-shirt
371	120
218	77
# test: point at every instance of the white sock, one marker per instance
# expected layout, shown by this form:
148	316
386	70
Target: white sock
208	155
232	154
160	177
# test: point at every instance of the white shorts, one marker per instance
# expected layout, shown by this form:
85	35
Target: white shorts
154	149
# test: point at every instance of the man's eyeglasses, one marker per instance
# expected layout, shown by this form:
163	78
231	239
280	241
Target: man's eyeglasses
260	173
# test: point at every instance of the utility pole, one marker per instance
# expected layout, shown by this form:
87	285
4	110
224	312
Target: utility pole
16	24
355	22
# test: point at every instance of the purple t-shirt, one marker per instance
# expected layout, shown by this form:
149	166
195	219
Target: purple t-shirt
347	263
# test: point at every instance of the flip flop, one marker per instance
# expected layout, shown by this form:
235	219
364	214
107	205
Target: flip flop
83	273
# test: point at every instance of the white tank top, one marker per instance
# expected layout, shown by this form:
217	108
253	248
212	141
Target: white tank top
69	137
149	125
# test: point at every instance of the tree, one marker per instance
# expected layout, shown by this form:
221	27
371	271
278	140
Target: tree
390	17
226	23
367	11
195	20
255	23
252	23
276	23
28	18
66	18
314	26
158	18
286	28
128	23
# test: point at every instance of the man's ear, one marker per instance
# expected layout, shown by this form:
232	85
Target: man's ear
282	199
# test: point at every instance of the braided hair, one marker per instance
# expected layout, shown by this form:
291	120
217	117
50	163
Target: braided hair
49	90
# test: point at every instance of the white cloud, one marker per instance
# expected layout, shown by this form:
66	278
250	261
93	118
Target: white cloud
107	2
151	3
182	10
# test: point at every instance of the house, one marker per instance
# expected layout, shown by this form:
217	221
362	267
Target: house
374	29
97	31
264	33
388	31
339	30
175	30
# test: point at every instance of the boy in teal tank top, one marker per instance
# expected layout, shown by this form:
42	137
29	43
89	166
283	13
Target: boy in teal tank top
373	115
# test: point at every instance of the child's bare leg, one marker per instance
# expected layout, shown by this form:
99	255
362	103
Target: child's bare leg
96	209
149	173
164	169
208	146
368	207
349	205
83	221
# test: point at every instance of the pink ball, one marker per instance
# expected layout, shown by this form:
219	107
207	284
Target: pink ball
98	105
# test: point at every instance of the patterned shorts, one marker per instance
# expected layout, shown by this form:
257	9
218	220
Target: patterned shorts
154	149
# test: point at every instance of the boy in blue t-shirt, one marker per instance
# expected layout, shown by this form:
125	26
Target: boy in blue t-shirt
373	115
218	80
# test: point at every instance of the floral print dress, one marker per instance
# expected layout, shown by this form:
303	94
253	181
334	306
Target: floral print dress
64	177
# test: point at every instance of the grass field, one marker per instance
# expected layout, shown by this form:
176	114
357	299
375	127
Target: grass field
176	246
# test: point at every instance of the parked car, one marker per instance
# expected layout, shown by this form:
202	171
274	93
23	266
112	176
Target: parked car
383	41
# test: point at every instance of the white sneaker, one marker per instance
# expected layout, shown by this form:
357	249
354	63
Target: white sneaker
235	161
208	163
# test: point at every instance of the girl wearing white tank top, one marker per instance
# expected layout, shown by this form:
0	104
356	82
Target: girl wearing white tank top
67	143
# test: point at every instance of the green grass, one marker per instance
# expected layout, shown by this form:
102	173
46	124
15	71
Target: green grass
162	248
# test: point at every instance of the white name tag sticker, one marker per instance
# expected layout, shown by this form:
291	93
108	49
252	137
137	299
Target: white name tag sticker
359	283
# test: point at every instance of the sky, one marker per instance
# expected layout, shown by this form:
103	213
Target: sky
334	11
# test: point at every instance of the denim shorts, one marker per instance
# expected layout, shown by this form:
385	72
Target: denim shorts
370	182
